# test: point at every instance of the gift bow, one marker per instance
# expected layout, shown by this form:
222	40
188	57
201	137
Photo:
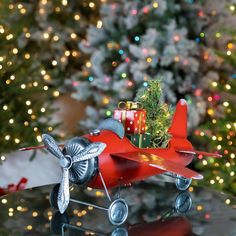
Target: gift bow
130	105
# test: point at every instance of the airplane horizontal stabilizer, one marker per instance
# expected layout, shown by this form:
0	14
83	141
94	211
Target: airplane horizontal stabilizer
194	152
159	162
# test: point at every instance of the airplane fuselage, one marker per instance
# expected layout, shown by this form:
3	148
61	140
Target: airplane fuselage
124	172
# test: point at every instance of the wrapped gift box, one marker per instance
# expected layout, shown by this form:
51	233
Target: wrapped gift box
14	187
140	140
134	120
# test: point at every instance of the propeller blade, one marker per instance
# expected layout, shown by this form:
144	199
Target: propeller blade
63	198
73	149
51	146
89	152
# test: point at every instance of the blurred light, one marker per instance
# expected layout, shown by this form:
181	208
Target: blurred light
99	24
77	17
227	201
56	93
232	7
155	5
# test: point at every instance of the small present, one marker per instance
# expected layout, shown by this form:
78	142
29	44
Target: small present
140	140
14	187
133	117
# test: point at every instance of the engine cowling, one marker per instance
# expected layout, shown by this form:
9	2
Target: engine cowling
82	172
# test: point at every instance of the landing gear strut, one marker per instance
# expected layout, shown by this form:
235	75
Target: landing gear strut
117	210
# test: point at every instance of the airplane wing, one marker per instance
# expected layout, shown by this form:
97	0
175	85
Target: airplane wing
158	162
194	152
37	147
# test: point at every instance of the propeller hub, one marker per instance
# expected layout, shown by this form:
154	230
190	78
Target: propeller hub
66	162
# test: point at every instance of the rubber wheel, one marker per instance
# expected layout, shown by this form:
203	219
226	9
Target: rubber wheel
57	221
182	183
53	196
118	212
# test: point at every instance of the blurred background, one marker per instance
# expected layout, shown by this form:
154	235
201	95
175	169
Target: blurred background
65	65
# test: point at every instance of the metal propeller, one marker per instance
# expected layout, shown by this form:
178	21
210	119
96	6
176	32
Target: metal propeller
74	153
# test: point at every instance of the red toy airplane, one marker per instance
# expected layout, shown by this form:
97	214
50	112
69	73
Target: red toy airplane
105	158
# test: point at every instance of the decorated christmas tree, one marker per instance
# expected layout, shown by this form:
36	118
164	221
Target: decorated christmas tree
136	41
218	131
39	51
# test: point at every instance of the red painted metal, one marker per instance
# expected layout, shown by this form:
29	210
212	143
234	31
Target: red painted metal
122	171
159	162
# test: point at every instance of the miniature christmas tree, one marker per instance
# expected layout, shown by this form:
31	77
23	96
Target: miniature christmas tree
158	113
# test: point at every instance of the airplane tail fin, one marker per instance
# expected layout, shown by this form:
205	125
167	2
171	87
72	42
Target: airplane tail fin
179	133
178	128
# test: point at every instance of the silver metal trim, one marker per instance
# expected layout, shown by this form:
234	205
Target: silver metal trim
104	186
88	204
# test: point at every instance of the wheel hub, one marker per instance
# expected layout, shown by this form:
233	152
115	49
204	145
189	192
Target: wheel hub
118	212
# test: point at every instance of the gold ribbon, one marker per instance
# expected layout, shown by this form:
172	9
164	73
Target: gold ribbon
123	117
130	105
140	123
140	140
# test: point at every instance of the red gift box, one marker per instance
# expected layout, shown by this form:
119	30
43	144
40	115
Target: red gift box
132	116
14	187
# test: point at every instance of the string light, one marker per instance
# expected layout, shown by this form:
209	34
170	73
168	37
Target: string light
64	2
88	64
73	35
91	4
218	35
54	62
99	24
11	121
56	93
232	7
106	100
17	140
55	38
14	50
214	84
123	75
29	227
77	17
46	35
2	30
9	37
39	138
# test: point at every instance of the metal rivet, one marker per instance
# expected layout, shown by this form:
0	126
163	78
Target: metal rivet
95	132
